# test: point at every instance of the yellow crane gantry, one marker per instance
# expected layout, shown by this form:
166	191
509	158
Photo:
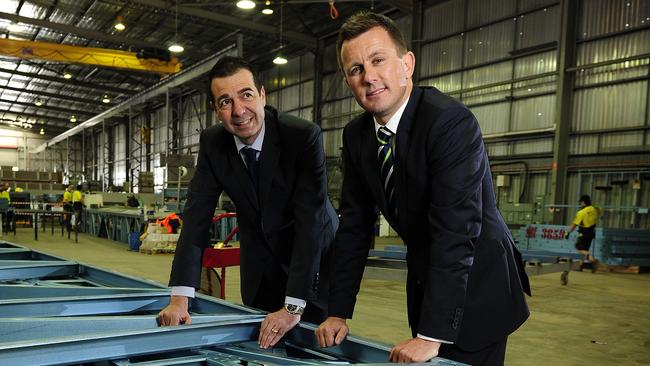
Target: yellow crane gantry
87	55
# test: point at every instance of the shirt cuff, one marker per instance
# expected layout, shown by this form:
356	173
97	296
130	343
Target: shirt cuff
183	291
433	339
295	301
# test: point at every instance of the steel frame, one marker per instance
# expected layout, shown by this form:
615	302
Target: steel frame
59	312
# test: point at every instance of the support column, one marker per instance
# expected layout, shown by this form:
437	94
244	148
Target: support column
563	105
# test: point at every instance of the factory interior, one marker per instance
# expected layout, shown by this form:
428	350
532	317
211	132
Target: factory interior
103	103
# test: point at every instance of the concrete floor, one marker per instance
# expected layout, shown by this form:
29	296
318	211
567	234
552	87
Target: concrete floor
598	319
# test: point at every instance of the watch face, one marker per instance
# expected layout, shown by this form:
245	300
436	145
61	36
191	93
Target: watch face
293	309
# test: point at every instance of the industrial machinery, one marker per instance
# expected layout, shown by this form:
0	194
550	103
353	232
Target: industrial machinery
59	312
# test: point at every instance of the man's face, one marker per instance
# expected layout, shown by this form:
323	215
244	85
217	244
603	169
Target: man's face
379	78
239	105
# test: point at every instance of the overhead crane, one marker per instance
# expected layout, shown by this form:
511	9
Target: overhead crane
89	56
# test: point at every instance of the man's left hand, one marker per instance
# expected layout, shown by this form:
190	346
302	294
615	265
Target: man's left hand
275	326
415	350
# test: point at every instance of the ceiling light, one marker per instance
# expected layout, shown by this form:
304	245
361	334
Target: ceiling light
73	118
267	11
119	23
67	75
106	99
245	4
14	168
38	102
176	48
279	60
14	27
42	132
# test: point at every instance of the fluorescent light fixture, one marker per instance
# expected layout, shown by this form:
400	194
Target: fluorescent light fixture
73	118
67	76
176	48
245	4
14	27
42	132
38	102
106	99
267	11
279	60
14	168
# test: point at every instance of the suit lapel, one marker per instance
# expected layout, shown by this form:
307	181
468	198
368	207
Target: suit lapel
240	173
402	146
270	154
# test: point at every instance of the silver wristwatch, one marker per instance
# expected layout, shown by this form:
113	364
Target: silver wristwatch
294	309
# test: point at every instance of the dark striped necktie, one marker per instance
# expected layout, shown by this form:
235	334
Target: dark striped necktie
385	159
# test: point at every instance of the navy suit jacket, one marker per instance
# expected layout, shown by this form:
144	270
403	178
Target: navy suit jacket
466	279
285	226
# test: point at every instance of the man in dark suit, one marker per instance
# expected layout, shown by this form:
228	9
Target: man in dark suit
272	166
418	156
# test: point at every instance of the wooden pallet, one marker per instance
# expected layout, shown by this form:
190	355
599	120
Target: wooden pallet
618	269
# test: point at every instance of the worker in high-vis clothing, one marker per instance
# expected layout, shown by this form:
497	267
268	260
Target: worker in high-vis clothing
585	220
77	205
67	205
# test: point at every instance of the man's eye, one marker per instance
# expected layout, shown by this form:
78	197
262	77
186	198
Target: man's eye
248	95
355	70
378	60
223	103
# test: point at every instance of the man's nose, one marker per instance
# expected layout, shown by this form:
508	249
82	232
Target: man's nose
237	108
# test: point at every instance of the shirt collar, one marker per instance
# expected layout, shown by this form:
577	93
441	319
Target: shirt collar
393	122
257	144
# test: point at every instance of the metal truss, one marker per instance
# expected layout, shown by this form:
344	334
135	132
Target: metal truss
59	312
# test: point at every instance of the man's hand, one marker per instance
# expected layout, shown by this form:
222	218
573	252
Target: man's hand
176	312
566	235
275	326
332	331
415	350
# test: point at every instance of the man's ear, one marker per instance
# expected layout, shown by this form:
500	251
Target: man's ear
408	64
263	95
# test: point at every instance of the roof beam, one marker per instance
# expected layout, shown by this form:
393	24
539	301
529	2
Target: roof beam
86	33
232	22
52	108
403	5
83	84
38	116
54	95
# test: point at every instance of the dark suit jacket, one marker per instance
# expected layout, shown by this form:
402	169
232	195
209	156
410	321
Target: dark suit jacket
466	279
285	228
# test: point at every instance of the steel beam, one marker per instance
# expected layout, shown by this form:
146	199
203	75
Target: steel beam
22	329
47	107
18	270
121	344
82	84
85	33
563	105
70	98
59	290
84	305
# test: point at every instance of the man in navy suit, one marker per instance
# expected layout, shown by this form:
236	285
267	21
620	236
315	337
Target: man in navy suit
418	156
272	166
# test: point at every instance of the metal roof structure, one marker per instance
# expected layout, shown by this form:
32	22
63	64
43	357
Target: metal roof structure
202	27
